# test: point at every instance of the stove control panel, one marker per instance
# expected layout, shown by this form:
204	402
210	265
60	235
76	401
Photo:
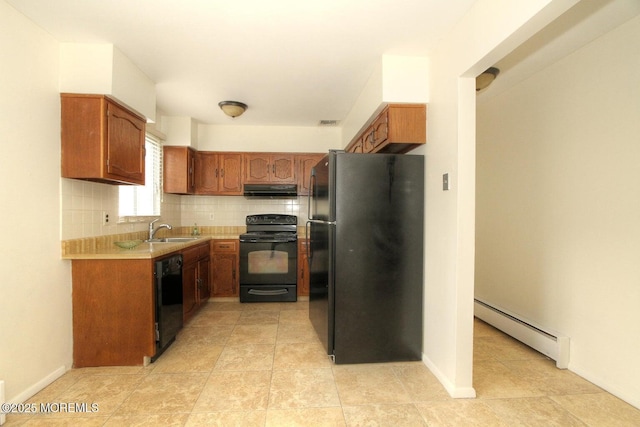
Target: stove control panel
274	219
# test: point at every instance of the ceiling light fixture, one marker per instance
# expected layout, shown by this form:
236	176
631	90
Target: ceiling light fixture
232	108
486	78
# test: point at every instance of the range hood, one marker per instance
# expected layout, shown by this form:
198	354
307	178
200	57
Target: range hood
271	191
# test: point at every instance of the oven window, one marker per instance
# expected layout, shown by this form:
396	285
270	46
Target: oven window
268	262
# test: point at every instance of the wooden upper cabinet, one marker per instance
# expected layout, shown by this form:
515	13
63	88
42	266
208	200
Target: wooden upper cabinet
102	140
187	171
306	162
230	173
206	172
218	173
269	168
399	128
178	175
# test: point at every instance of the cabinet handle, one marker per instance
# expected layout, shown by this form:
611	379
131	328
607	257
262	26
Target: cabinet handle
273	168
216	172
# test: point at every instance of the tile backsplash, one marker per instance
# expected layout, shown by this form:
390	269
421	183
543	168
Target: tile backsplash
84	204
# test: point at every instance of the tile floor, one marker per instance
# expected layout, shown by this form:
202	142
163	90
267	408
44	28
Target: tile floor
262	365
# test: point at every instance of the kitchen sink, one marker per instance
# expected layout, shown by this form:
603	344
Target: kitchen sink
172	240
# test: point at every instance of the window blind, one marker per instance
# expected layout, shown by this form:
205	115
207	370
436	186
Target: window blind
136	200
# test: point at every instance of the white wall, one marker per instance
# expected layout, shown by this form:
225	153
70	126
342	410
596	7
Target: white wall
558	224
394	79
103	69
35	292
312	139
488	31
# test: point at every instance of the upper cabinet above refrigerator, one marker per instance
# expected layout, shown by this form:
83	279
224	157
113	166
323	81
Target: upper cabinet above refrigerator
398	128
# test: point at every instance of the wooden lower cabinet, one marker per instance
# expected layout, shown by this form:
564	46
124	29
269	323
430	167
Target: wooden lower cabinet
196	286
225	258
303	268
114	305
113	312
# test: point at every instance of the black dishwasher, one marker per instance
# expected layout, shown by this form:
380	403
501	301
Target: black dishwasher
168	290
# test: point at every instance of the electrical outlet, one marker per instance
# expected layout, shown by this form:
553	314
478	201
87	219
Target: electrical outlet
210	216
105	218
445	182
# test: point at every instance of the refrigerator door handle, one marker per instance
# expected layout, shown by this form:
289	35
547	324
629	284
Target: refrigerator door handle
312	177
306	236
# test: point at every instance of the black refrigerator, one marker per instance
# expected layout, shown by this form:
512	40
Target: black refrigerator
365	231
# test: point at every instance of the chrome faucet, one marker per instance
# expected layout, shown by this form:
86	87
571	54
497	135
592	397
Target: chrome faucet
152	232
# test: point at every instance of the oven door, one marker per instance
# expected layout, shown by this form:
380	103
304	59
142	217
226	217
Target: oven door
268	263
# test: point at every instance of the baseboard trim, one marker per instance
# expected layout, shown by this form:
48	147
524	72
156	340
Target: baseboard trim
38	386
632	399
454	392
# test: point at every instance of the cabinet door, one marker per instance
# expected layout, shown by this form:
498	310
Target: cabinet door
380	129
207	172
368	141
124	144
224	268
101	140
306	162
358	146
230	181
269	168
303	268
204	284
179	170
189	280
257	168
283	168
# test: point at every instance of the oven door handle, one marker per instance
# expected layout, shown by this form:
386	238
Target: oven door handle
269	292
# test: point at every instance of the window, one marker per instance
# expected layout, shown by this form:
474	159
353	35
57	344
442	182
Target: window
137	200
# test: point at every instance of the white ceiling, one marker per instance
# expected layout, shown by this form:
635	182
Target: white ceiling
294	62
580	25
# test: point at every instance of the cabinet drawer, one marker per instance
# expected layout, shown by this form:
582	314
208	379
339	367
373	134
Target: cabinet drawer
224	245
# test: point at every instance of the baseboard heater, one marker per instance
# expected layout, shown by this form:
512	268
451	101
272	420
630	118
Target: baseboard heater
546	342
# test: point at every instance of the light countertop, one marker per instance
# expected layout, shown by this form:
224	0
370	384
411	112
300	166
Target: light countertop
145	250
